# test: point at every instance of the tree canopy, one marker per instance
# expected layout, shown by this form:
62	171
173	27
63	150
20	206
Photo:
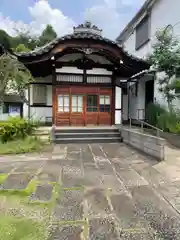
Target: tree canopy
165	58
25	41
47	35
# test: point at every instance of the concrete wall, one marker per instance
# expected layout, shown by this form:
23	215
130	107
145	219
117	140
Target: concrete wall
163	12
151	145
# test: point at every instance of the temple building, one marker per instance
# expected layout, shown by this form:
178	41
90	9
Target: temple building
80	79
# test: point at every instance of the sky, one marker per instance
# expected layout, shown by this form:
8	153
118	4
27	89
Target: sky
109	15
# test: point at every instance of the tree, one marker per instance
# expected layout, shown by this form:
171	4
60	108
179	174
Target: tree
22	48
5	39
47	35
25	38
166	60
14	77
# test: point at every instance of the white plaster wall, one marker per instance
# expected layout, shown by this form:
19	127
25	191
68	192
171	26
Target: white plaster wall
49	94
40	113
69	70
99	71
164	12
118	93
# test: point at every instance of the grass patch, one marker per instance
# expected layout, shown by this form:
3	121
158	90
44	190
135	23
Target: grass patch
26	145
31	187
3	177
12	228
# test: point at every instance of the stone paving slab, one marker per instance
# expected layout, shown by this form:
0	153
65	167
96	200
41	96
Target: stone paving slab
70	177
105	168
43	193
6	168
67	232
97	152
69	205
97	203
133	234
69	213
70	197
127	203
103	228
119	164
131	178
29	167
112	184
16	181
159	214
86	154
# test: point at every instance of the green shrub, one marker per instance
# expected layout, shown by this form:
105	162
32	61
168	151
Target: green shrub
169	122
16	128
154	110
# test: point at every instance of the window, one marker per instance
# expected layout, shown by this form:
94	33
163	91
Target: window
39	94
98	79
142	32
70	78
77	103
92	103
63	103
104	103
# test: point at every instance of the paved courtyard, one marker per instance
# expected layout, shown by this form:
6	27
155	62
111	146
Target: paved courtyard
97	191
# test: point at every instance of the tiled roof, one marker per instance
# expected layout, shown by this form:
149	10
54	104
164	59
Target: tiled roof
79	35
83	35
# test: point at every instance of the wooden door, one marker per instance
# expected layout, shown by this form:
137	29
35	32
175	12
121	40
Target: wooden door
91	109
77	109
105	109
80	105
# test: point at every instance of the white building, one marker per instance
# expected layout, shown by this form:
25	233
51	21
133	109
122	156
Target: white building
138	38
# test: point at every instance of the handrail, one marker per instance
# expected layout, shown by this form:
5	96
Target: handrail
145	123
158	130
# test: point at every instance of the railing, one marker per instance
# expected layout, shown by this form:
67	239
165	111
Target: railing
143	124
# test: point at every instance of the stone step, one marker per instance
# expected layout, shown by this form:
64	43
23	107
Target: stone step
87	135
86	130
88	140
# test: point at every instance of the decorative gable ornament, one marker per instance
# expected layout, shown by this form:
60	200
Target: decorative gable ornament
87	27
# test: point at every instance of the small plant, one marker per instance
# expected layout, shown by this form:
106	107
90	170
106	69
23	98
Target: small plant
16	128
168	121
154	110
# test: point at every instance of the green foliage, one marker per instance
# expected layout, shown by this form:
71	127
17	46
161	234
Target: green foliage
13	76
154	110
16	128
47	35
24	40
5	39
166	58
167	121
22	48
26	145
13	228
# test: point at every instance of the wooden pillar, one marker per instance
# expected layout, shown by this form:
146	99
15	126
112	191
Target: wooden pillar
53	93
113	79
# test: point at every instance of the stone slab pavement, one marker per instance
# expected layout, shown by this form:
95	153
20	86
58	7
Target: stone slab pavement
107	191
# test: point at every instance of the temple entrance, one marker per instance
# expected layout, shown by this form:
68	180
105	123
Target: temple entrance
83	106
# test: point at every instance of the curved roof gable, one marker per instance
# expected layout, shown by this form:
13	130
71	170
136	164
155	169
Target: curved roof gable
85	31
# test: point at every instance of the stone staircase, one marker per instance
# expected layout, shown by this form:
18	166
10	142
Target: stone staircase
86	135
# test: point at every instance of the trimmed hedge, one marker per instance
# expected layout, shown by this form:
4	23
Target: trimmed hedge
16	128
